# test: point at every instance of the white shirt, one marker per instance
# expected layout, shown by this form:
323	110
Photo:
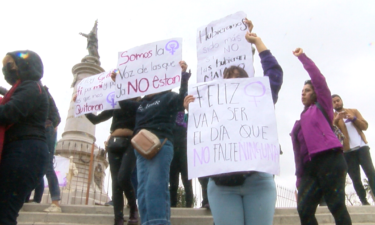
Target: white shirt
355	140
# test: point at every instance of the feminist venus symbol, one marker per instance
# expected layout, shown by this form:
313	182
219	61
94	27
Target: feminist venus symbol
111	99
256	90
172	46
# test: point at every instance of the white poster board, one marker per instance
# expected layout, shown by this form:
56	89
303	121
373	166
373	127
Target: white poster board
61	167
96	93
222	44
232	127
149	69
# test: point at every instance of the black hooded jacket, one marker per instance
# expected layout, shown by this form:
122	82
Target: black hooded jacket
28	106
53	114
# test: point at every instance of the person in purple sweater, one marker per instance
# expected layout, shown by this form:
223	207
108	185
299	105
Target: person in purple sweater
320	165
253	201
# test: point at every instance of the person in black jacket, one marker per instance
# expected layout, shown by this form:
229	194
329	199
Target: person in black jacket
121	159
23	148
179	162
53	120
157	113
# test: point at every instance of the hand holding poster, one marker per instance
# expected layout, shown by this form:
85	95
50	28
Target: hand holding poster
95	93
149	69
222	44
232	128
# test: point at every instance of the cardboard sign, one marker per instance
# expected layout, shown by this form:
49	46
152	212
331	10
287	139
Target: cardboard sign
222	44
232	128
96	93
149	69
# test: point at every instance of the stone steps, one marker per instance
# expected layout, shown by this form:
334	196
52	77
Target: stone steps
81	214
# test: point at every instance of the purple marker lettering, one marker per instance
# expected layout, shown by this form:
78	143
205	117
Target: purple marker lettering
260	85
172	46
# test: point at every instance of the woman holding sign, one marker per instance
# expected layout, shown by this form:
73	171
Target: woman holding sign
320	164
246	198
157	114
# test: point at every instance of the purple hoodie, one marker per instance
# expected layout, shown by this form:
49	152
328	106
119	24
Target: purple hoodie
312	134
272	69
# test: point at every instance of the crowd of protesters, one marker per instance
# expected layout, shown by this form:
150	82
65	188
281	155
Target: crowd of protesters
29	119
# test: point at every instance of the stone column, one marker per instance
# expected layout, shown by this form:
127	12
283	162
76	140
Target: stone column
79	128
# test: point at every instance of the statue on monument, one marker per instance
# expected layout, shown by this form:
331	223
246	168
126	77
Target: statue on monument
92	41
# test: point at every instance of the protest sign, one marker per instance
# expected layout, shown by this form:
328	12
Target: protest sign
232	127
149	69
61	167
95	93
222	44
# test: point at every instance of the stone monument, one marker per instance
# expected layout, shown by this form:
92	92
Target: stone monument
79	136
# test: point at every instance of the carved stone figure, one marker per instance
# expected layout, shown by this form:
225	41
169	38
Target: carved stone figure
73	171
98	176
92	41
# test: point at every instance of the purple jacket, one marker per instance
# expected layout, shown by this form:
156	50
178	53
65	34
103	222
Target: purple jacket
312	133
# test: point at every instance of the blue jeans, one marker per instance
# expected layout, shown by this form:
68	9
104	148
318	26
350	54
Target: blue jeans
134	181
249	204
153	193
21	168
53	183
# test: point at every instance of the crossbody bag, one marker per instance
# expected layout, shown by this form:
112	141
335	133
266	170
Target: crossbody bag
147	144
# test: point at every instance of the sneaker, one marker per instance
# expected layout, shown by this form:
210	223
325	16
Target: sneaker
365	203
30	201
53	209
207	206
133	217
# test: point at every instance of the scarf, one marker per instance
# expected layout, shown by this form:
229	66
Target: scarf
4	128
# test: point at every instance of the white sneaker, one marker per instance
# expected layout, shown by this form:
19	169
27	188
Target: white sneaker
53	209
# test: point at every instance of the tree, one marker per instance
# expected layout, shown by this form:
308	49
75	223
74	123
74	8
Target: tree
181	202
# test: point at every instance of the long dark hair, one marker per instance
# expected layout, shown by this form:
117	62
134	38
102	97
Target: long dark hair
313	97
229	71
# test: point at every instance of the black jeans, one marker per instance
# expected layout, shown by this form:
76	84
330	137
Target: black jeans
324	176
21	168
354	159
204	182
179	165
121	163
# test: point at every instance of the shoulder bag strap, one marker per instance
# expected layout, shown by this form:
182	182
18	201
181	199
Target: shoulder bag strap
324	113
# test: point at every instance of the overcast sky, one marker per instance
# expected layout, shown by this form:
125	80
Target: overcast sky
338	35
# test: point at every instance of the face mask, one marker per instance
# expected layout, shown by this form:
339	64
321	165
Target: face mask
10	75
